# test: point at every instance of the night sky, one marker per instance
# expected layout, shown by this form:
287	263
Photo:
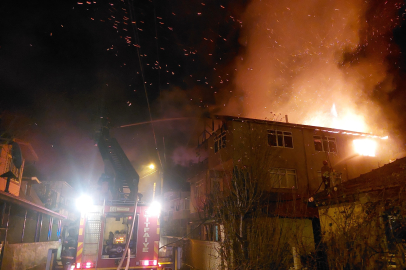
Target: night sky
63	64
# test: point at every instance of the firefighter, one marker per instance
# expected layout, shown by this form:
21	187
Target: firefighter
325	175
69	246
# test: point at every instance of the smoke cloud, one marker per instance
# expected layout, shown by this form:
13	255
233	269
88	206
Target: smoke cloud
301	58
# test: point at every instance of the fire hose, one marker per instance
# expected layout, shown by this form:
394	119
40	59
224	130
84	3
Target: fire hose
127	250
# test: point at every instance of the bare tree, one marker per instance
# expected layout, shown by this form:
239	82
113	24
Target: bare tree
253	235
365	235
256	232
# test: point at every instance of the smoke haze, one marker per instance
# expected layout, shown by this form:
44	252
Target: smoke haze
302	57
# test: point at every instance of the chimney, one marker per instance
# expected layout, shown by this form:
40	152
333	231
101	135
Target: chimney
286	118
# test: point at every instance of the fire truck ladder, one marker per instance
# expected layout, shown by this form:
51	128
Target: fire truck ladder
125	173
92	236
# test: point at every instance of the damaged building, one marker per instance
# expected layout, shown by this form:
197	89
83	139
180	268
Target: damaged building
285	161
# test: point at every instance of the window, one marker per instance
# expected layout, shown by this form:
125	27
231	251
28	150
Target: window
395	228
325	144
283	178
216	179
280	138
187	204
116	233
220	141
198	189
216	185
177	208
210	232
216	233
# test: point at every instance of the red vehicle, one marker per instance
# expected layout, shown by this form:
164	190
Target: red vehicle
105	230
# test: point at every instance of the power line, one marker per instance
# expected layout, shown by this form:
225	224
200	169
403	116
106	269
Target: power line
154	121
136	37
157	56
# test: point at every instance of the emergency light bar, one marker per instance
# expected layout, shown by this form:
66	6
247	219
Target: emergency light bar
148	262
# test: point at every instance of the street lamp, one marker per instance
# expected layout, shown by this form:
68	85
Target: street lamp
153	169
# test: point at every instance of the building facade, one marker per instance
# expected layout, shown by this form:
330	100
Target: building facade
29	229
367	216
58	196
293	154
285	160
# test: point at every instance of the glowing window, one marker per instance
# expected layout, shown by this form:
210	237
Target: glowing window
365	147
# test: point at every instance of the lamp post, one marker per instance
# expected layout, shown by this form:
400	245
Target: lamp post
152	169
160	186
152	166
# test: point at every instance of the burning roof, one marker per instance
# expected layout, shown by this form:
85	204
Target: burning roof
316	128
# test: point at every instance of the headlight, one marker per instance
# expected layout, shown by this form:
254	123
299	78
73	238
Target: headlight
154	209
83	203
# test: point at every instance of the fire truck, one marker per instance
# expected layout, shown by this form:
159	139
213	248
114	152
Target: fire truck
121	230
104	231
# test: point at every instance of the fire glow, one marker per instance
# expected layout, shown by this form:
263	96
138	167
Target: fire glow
313	78
348	119
365	147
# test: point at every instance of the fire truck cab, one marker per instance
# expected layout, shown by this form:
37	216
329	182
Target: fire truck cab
104	232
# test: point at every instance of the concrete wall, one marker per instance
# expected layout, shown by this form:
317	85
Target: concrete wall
27	255
356	234
203	255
